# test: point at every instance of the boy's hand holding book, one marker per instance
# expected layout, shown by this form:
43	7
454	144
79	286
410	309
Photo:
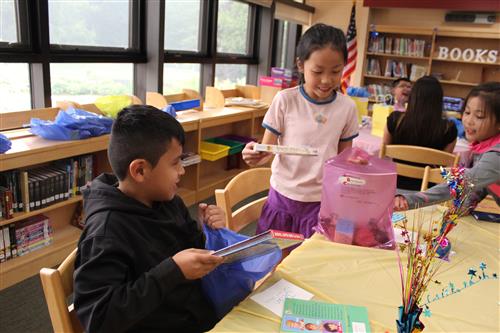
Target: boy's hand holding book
213	216
196	263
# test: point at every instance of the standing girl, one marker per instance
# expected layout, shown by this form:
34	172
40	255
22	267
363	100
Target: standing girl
312	114
481	119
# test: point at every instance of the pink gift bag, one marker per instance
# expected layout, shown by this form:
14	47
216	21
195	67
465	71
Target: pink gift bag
357	199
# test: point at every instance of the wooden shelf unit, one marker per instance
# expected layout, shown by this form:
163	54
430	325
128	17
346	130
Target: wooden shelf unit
458	75
198	183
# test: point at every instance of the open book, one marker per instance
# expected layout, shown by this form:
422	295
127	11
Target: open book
259	244
289	150
311	316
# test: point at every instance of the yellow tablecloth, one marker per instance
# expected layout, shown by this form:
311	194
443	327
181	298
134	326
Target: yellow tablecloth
354	275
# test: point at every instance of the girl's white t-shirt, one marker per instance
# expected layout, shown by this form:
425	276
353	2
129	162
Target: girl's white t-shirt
298	120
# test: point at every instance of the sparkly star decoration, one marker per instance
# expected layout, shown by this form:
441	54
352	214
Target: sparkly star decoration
427	312
472	272
482	266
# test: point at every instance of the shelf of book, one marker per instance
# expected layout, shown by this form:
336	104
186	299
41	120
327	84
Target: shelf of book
460	57
380	77
24	215
397	56
20	268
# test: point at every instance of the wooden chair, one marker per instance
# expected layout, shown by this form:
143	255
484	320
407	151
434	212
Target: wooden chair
431	175
242	186
57	287
415	154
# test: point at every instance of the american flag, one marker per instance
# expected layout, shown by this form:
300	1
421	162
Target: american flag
352	51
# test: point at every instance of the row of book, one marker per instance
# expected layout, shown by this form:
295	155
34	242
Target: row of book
395	45
35	188
376	90
190	158
18	239
396	69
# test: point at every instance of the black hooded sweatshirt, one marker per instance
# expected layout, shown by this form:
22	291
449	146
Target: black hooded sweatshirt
125	278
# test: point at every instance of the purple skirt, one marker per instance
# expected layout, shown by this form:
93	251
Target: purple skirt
282	213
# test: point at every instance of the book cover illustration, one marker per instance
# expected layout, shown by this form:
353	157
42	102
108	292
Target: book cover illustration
312	316
260	244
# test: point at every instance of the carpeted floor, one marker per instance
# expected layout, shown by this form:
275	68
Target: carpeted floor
23	308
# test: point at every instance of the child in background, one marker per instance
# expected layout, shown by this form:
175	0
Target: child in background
313	114
401	89
421	125
481	119
141	256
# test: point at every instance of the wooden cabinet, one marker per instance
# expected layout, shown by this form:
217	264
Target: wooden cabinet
450	55
198	183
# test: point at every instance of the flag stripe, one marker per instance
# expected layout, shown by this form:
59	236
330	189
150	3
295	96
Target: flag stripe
352	50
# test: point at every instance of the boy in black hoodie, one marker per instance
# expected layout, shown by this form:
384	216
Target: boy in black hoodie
141	256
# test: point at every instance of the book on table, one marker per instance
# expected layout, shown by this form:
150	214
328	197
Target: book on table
260	244
312	316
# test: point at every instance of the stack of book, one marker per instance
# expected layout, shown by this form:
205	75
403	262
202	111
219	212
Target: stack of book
190	158
24	237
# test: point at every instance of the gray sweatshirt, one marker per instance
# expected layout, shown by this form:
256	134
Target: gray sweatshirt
484	172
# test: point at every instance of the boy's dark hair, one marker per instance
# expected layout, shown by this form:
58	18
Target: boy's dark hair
490	93
319	36
422	123
401	79
141	131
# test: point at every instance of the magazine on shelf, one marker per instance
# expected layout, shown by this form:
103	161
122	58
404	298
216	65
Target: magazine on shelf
259	244
312	316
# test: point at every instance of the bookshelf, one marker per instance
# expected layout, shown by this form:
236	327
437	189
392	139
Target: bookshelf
458	74
198	183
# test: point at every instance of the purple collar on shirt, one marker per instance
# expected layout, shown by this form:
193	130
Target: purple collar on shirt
312	100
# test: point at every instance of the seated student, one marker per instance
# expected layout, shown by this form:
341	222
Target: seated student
141	256
401	89
421	125
481	119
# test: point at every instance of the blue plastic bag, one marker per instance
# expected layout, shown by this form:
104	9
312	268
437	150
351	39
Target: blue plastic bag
229	284
5	143
72	124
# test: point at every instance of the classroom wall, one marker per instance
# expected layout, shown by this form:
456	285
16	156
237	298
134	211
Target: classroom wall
337	13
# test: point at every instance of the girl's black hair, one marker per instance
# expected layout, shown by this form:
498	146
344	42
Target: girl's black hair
490	93
423	123
320	36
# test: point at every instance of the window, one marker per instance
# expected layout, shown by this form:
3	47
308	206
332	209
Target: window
84	82
89	23
286	38
229	75
180	76
182	25
8	22
233	27
14	87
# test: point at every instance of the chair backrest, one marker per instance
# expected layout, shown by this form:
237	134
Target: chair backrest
431	175
415	154
57	287
242	186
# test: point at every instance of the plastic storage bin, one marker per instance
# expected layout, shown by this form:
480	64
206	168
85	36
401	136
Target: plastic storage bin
244	139
235	147
212	151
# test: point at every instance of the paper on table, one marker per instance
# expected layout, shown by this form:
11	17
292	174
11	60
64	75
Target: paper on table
273	298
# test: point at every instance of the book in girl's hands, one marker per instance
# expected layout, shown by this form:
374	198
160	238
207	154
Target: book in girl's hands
311	316
288	150
259	244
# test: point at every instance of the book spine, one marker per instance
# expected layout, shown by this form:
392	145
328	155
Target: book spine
6	242
2	247
13	239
